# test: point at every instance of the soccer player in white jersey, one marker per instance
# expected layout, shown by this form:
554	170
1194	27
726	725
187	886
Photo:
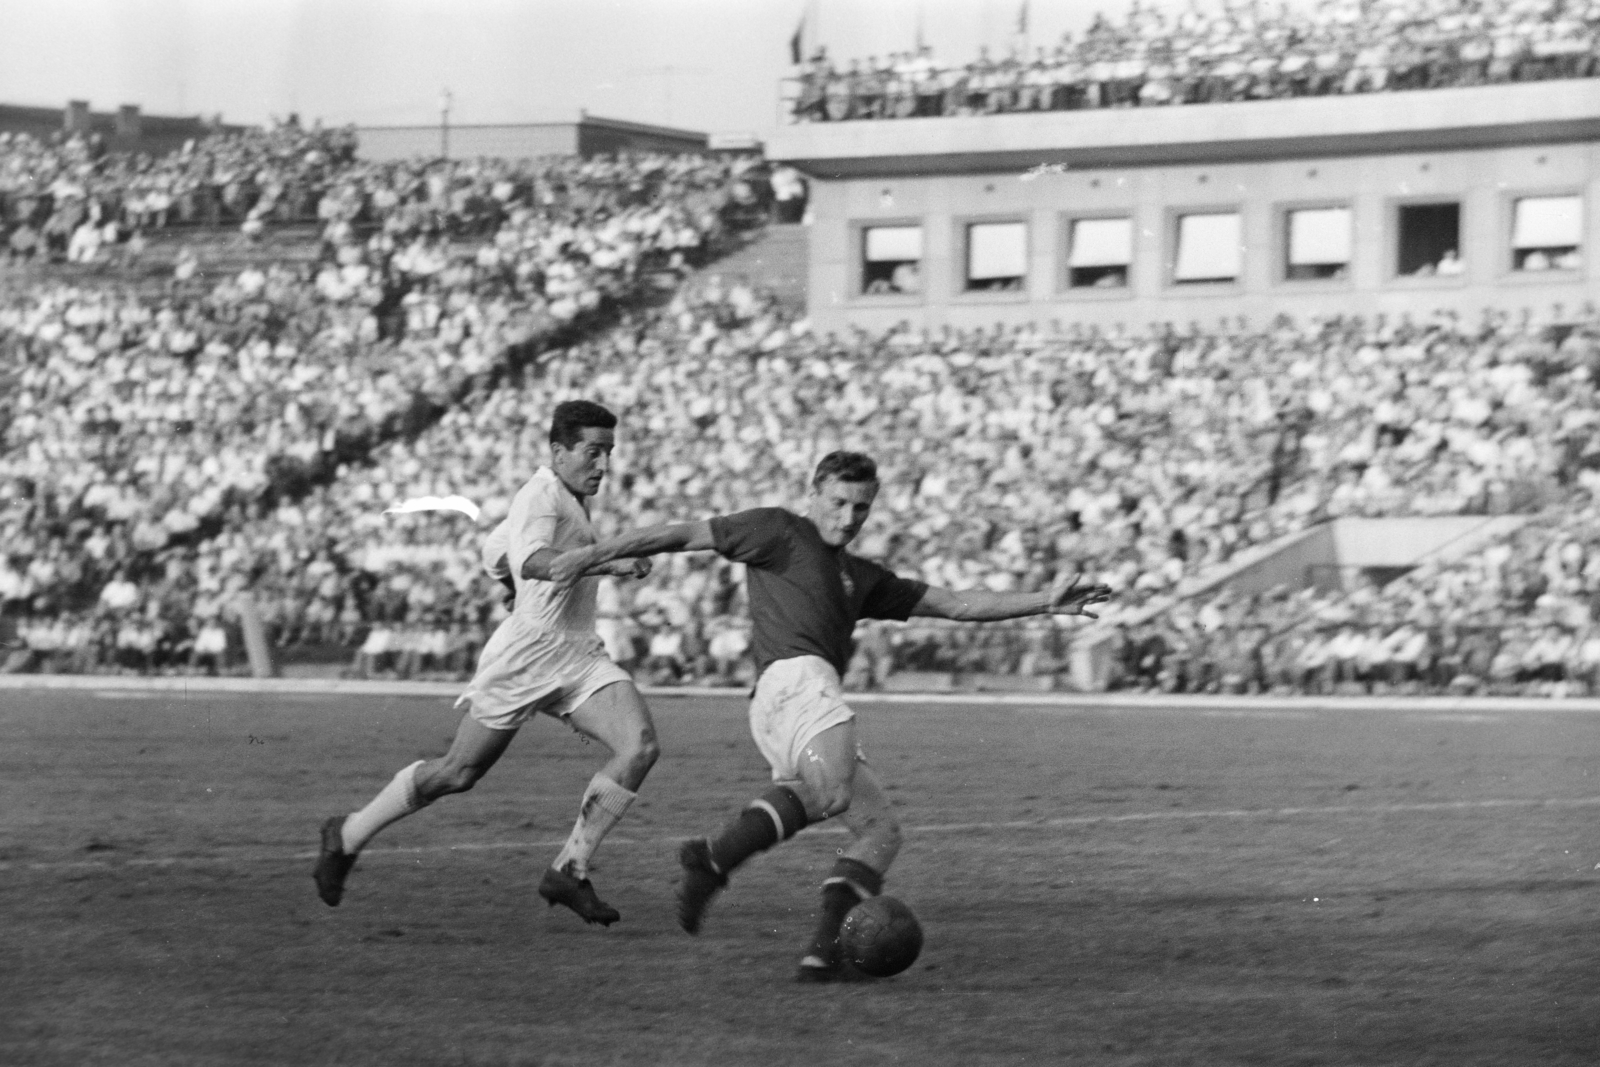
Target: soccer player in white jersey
545	657
806	595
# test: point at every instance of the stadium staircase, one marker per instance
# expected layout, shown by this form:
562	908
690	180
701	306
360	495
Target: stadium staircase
220	251
223	250
774	259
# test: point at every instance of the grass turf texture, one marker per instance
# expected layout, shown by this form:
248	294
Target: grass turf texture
1097	886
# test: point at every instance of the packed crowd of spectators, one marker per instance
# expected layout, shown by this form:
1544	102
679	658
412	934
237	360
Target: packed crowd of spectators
1520	616
65	200
1142	459
163	456
1157	56
66	197
133	427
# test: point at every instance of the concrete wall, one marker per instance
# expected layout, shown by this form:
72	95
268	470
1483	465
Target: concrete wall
1481	147
588	136
1485	181
1307	127
526	141
1288	562
1328	554
609	137
127	129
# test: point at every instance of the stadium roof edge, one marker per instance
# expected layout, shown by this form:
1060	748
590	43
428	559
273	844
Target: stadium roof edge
1373	123
582	120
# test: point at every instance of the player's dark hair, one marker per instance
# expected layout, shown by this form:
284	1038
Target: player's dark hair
845	466
572	416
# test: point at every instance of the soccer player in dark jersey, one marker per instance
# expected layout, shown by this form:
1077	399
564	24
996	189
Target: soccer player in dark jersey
806	594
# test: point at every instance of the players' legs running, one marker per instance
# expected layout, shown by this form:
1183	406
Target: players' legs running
617	717
856	875
475	749
827	770
824	775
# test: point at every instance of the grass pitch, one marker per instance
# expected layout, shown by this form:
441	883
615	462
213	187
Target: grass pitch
1098	886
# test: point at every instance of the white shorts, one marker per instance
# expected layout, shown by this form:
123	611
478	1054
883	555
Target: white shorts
795	700
524	670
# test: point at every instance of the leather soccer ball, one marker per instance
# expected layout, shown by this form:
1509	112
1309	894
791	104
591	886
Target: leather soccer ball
880	937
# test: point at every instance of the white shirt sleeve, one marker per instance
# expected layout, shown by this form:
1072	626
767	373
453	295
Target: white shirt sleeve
532	522
495	549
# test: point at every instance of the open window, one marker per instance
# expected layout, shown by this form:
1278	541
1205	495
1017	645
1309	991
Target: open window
1429	240
1319	244
997	256
1547	233
1099	253
891	260
1208	249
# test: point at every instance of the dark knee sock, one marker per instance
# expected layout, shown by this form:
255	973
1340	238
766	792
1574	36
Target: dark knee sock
776	815
848	884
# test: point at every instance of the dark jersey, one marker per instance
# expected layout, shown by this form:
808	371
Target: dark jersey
806	595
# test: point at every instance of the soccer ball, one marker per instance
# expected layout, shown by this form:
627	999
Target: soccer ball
881	937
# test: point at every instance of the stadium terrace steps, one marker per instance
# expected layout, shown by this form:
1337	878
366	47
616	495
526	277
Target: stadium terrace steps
221	251
775	260
1321	556
224	250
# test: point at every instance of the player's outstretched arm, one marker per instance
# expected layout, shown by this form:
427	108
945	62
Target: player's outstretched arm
1064	597
537	565
646	541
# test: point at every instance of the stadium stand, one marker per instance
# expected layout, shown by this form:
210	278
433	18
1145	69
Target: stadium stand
1145	459
240	426
1154	58
134	425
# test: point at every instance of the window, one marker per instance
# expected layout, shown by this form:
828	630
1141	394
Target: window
1430	240
1208	249
997	256
891	260
1100	252
1319	244
1546	233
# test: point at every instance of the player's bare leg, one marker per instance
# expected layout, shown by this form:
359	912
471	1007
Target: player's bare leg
474	750
826	774
856	875
615	716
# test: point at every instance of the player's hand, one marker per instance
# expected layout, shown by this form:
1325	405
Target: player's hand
638	567
568	567
1067	597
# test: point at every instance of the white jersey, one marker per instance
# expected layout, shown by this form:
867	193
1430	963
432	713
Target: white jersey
495	548
546	514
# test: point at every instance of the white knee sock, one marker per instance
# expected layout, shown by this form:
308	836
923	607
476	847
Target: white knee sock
604	802
394	802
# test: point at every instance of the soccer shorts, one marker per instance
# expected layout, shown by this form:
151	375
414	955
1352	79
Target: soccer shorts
525	670
795	700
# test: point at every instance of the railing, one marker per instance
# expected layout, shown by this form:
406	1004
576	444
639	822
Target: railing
928	92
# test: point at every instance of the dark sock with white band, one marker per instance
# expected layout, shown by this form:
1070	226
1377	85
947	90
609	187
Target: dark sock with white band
776	815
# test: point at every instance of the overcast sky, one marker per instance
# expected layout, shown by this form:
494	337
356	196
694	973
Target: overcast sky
711	65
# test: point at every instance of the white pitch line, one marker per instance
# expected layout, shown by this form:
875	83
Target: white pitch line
197	687
1219	814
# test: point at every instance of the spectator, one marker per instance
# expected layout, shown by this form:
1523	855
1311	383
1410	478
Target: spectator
1152	59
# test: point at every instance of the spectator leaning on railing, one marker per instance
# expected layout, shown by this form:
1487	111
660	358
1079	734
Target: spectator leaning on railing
1158	57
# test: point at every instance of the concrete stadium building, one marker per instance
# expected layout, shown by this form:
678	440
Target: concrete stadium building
588	135
1386	202
127	129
